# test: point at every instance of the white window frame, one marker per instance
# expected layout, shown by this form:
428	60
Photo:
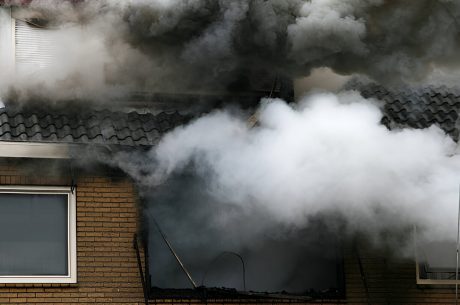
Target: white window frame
422	281
71	277
7	40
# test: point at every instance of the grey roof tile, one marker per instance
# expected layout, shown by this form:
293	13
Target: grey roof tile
138	134
86	127
128	141
418	107
153	135
142	141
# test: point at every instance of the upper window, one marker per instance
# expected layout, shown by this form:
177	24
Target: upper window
37	235
34	47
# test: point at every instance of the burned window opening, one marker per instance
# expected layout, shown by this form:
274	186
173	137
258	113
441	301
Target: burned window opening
186	217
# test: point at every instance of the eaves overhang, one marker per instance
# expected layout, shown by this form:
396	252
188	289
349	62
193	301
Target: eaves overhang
36	150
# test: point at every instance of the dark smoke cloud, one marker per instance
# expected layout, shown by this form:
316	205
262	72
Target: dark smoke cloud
111	47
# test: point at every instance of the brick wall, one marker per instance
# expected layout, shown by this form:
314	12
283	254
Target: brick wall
107	218
382	279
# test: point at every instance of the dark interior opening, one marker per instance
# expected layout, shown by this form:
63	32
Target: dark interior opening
212	238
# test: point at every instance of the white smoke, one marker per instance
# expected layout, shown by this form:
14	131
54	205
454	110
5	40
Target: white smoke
328	155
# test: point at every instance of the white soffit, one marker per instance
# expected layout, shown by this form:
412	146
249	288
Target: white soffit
34	150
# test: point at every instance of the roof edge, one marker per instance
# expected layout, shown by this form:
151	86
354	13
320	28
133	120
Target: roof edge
35	150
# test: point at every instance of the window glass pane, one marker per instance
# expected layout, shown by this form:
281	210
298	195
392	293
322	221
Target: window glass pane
33	234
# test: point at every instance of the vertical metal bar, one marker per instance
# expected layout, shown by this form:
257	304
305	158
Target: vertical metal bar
458	233
141	271
147	264
275	81
363	275
417	272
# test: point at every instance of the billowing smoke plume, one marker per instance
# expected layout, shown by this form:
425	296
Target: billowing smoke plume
111	47
287	193
328	155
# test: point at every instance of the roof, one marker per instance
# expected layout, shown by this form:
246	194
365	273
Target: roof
418	107
406	107
84	127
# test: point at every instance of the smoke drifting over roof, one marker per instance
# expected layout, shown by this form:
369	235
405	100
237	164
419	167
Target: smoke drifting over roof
168	45
328	156
308	175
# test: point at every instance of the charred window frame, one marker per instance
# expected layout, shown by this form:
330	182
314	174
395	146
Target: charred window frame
29	198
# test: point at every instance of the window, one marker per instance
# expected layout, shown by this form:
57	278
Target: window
34	47
26	44
37	235
435	261
231	251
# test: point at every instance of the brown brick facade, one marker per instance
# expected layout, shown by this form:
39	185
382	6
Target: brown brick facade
384	280
107	219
